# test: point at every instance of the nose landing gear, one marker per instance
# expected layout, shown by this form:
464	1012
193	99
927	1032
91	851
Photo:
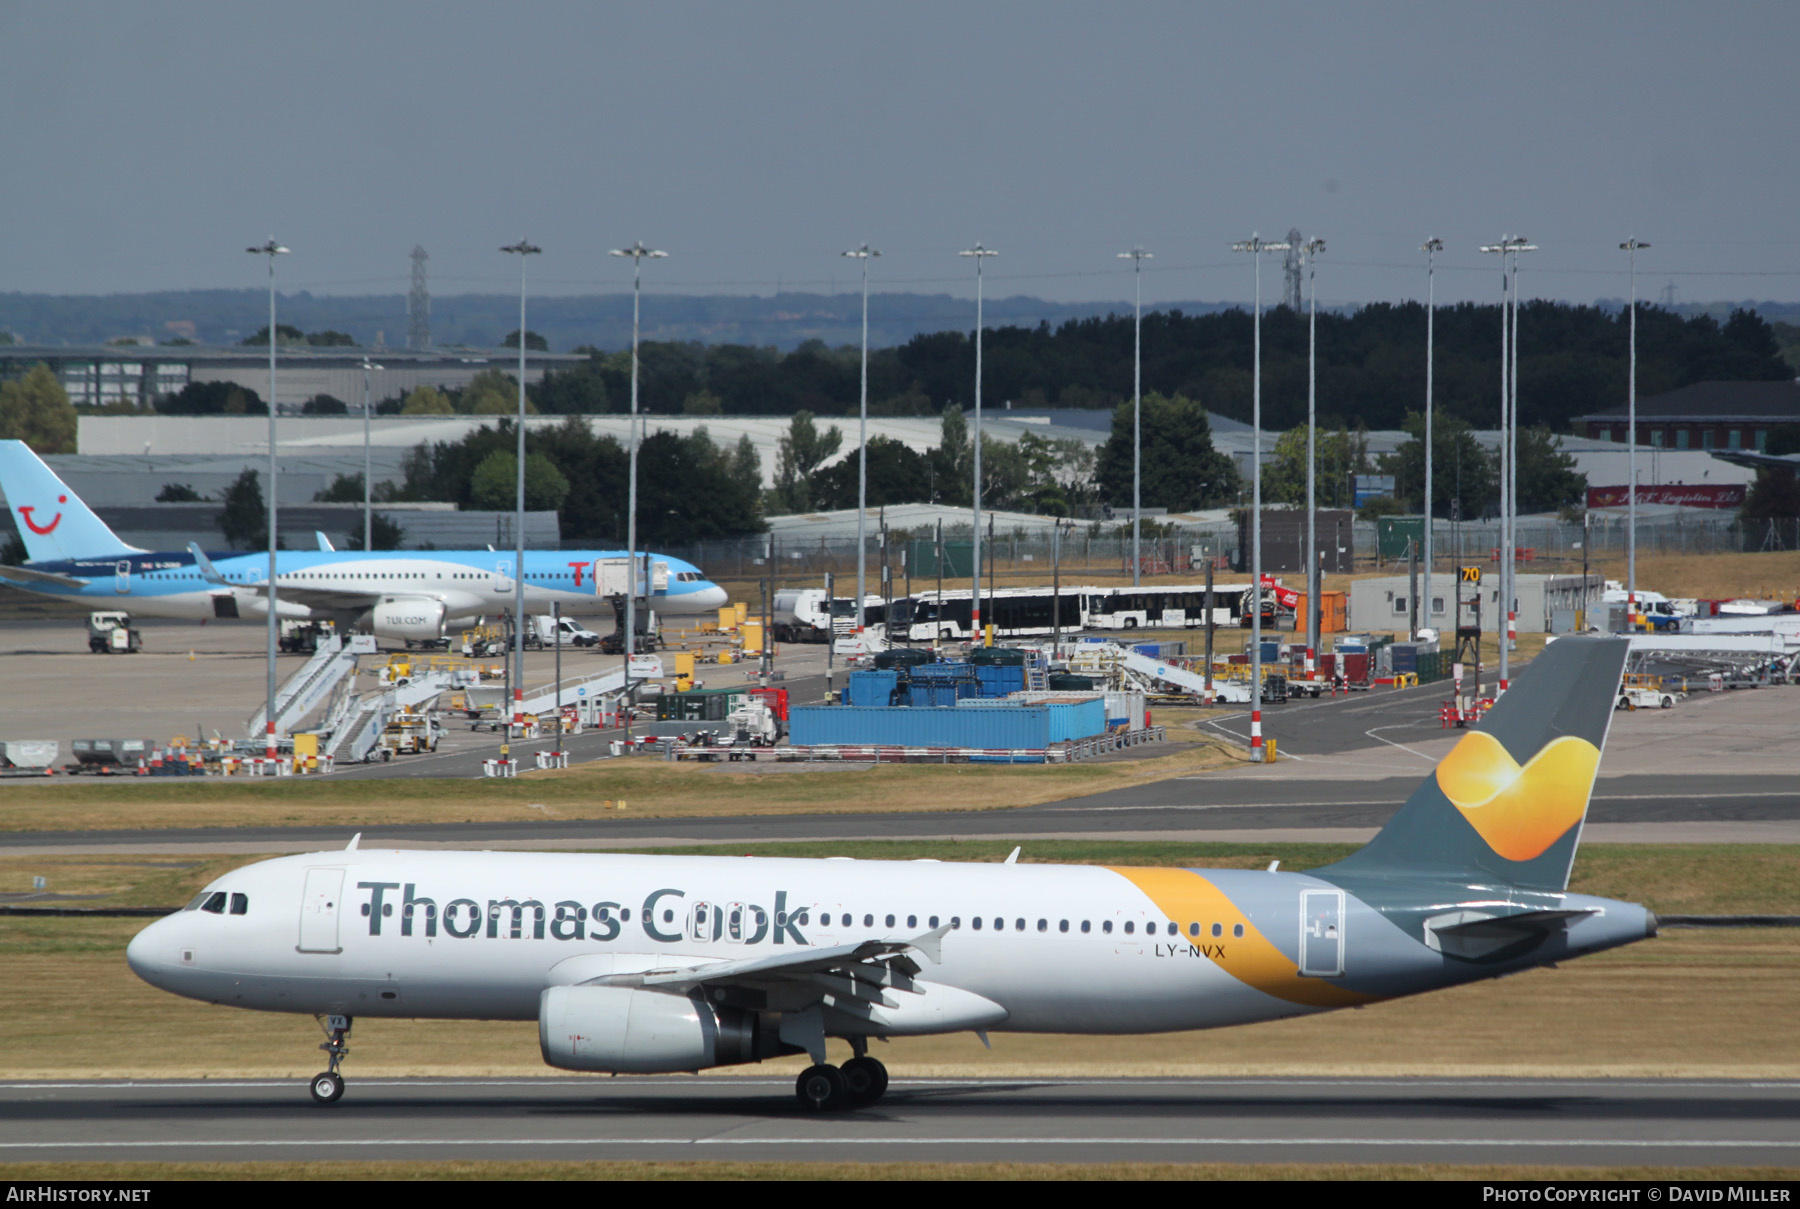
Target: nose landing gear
328	1085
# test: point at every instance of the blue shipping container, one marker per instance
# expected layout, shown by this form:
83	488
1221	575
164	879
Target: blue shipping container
1070	720
1024	726
943	671
872	688
997	680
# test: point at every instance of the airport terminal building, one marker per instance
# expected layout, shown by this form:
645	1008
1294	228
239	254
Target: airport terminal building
107	374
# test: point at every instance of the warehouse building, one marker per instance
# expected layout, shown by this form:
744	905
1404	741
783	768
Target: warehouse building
101	375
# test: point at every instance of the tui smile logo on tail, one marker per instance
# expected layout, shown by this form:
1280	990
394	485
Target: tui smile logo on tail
36	528
1520	812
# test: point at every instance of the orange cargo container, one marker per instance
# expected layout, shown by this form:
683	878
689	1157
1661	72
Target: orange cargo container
1334	613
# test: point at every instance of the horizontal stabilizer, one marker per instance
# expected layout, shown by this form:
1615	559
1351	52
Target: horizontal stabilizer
1474	935
28	577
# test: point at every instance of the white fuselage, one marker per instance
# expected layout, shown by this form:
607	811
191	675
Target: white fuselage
1060	948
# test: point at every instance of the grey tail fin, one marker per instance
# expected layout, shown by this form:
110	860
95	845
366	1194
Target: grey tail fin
1507	805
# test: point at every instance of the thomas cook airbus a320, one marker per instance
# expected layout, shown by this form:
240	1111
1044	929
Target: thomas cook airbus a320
680	963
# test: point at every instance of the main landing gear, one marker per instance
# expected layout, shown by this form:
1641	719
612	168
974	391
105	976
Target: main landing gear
328	1085
857	1084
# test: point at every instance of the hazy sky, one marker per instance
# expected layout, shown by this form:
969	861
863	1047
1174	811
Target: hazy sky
144	145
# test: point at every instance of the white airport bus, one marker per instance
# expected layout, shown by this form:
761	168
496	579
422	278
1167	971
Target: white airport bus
1013	612
1162	606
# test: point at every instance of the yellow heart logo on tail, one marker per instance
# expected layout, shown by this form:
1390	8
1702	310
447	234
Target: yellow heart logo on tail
1520	812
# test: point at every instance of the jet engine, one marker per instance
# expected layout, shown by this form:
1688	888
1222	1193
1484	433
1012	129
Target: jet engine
413	618
638	1031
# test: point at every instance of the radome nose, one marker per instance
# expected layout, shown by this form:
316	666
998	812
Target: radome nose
147	954
713	597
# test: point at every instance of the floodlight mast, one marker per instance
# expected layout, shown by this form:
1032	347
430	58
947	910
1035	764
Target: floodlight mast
1508	250
1309	253
979	254
637	253
523	249
1256	246
1137	256
1630	247
368	515
271	249
1519	245
862	255
1431	247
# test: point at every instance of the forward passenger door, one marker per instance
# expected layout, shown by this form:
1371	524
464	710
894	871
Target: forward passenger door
319	911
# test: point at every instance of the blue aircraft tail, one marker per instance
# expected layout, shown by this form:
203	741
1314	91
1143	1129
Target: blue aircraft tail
53	522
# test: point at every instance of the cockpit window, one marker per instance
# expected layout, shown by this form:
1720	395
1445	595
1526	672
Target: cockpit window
198	899
215	903
240	904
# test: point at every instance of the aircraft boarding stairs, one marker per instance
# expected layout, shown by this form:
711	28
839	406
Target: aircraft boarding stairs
360	718
301	693
588	694
1126	668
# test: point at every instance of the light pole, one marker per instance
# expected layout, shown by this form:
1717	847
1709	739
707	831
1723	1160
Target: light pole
637	253
1256	246
862	256
368	515
979	254
1508	249
1310	252
1519	245
1137	256
271	249
1431	248
1630	247
522	249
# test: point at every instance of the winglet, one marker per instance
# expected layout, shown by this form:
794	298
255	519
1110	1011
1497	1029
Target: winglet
324	542
354	841
208	572
1012	858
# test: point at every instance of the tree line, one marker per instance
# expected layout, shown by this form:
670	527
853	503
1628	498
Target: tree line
1371	366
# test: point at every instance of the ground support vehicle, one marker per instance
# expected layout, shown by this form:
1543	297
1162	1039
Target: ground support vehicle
111	634
1632	696
304	637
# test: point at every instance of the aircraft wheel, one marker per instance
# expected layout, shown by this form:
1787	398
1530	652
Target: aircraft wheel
327	1087
821	1088
865	1080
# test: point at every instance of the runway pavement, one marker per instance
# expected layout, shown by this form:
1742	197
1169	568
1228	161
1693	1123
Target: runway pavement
754	1117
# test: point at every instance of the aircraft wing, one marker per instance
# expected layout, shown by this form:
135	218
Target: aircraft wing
28	577
802	965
